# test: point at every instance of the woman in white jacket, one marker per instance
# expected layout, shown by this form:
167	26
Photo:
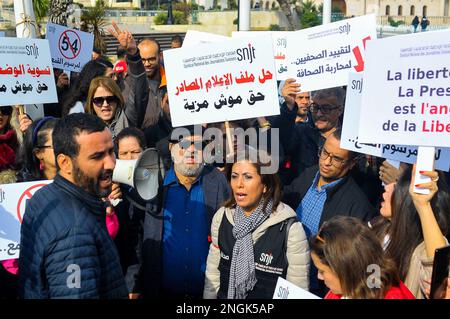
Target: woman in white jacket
255	237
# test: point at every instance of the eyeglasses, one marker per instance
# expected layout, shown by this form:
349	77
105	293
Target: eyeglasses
98	101
324	108
335	161
198	145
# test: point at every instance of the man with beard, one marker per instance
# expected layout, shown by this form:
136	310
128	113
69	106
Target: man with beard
305	140
303	102
66	251
177	225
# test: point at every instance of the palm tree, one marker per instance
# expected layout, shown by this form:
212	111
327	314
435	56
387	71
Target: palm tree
40	8
58	11
309	14
285	6
93	20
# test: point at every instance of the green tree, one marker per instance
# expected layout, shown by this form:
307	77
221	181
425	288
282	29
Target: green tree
40	8
93	20
178	18
309	14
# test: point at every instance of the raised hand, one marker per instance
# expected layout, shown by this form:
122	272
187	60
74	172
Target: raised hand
125	38
289	91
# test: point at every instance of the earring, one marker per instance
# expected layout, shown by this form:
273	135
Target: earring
41	166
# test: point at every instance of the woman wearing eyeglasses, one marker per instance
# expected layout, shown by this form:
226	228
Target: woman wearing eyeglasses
106	101
255	237
351	261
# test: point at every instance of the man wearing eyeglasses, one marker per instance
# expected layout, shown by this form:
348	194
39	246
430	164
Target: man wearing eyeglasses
305	140
328	190
177	232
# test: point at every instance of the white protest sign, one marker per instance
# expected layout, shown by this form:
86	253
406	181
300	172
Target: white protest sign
322	57
71	49
13	198
193	37
406	96
26	73
280	44
218	82
351	124
287	290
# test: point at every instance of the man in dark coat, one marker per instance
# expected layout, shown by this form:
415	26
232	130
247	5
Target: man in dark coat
177	224
66	251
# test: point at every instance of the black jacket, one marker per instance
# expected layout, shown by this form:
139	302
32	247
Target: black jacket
63	239
216	191
345	198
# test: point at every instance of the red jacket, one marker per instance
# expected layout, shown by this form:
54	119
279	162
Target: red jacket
8	145
400	292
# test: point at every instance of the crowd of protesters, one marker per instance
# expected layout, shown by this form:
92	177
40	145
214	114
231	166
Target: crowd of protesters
216	229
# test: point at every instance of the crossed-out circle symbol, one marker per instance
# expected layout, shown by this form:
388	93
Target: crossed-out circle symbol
27	194
67	39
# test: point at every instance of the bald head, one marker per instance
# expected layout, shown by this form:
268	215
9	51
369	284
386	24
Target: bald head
149	51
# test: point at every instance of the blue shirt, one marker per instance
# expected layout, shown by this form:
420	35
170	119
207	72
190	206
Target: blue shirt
309	211
185	238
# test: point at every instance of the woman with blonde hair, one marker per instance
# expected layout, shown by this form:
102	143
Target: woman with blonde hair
106	101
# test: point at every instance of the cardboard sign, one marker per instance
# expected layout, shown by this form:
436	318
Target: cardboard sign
406	96
26	73
351	124
280	44
323	56
216	82
287	290
71	49
13	198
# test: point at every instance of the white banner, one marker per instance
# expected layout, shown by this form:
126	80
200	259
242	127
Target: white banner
26	73
218	82
280	44
71	49
406	96
322	57
351	124
287	290
13	198
193	38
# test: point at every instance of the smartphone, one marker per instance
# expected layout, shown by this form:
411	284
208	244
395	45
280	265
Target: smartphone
440	272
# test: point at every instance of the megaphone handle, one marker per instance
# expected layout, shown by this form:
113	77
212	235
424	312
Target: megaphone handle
115	202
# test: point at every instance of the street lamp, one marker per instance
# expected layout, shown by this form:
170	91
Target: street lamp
169	13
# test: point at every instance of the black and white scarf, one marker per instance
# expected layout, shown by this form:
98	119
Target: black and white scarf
242	271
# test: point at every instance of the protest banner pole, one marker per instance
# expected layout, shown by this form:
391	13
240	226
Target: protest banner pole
229	137
26	26
326	13
425	162
244	15
20	108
